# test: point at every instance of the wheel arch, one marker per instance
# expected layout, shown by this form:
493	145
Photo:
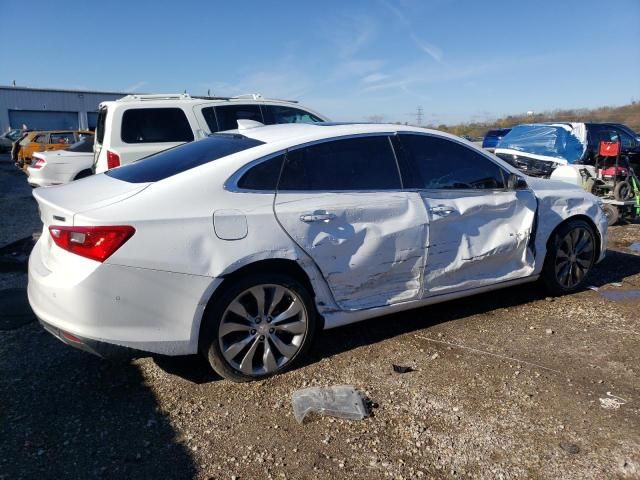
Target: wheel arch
270	265
583	217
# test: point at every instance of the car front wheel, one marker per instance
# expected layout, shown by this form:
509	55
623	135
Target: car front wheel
259	327
570	257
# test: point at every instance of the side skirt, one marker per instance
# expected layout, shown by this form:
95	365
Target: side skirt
338	319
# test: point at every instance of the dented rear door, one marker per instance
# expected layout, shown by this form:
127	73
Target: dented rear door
342	203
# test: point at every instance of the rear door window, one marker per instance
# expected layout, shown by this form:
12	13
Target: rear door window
40	138
228	115
361	163
441	164
263	176
155	125
65	138
282	114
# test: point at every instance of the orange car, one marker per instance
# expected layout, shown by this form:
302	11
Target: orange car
39	141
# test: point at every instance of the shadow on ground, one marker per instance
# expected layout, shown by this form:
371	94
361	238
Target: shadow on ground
67	414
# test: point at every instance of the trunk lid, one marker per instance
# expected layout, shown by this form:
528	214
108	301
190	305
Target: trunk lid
59	205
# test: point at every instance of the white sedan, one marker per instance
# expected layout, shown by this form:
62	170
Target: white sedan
57	167
242	245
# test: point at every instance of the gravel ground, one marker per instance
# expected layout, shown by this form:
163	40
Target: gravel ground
511	384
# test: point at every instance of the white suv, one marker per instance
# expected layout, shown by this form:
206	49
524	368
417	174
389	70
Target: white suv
136	126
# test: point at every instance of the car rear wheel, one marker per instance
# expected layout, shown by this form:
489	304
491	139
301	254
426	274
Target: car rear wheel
259	327
570	257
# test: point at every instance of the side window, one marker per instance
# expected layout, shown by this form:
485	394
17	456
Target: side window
155	125
282	114
626	140
210	117
439	163
364	163
228	115
66	138
40	139
263	176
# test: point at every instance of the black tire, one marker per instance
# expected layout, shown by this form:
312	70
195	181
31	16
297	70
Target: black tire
612	213
211	342
578	259
623	191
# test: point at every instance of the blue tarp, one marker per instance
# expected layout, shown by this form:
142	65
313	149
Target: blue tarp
548	140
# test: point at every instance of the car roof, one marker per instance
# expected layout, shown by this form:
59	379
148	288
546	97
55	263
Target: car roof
296	133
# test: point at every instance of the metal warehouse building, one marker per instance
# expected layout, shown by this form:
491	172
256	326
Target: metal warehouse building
50	109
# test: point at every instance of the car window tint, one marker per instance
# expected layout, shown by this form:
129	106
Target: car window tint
85	145
263	176
100	125
182	158
155	125
282	114
439	163
364	163
228	115
65	138
210	117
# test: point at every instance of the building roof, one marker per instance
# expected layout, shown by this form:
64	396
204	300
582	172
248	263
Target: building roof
61	90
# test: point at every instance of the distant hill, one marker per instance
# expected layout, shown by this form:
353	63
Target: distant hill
627	114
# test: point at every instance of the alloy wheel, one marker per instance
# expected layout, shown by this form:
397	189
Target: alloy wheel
574	257
262	329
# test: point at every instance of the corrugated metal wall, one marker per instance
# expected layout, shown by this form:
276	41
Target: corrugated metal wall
26	103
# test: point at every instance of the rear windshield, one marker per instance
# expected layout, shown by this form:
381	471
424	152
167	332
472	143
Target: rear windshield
182	158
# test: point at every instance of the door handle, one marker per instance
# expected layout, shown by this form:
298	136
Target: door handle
442	210
317	217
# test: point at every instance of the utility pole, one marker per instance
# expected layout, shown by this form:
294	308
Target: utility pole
419	115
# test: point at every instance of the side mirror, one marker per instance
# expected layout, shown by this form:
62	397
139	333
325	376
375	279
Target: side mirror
516	182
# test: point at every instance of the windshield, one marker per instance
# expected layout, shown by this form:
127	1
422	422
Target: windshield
85	145
548	140
183	157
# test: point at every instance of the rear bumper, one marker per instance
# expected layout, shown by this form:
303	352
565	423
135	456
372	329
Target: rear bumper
95	347
103	304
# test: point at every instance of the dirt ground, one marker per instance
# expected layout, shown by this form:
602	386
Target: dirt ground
511	384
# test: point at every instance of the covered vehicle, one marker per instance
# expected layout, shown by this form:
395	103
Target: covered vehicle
492	137
538	148
62	166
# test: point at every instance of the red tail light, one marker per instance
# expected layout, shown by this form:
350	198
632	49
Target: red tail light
96	243
39	163
113	159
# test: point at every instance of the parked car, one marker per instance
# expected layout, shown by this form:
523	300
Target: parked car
539	148
7	139
43	141
241	245
492	137
62	166
136	126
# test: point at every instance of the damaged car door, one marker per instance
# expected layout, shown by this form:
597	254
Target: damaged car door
342	202
479	230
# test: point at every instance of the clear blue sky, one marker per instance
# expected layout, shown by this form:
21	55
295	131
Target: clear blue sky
459	60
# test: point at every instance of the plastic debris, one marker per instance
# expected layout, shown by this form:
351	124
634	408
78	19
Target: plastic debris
402	368
612	402
342	401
